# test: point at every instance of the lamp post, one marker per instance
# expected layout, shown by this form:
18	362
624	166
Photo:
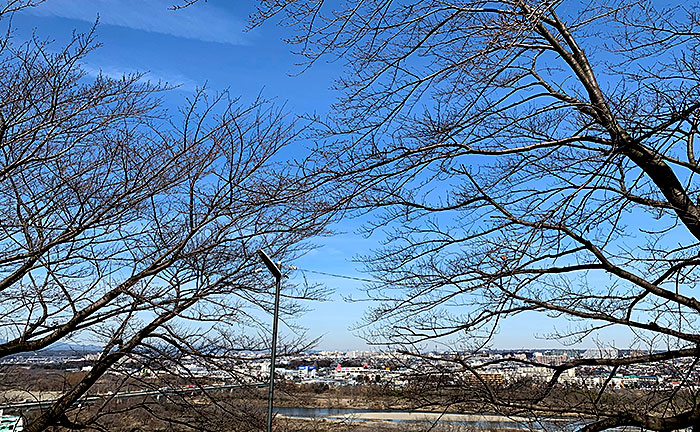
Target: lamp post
277	273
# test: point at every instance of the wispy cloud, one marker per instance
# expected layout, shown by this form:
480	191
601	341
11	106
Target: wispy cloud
203	21
181	82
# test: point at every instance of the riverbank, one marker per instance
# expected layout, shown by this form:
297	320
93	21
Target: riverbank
411	419
290	424
422	416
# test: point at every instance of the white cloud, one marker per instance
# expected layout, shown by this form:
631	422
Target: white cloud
154	76
202	21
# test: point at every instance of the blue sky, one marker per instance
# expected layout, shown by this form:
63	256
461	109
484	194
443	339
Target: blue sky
206	45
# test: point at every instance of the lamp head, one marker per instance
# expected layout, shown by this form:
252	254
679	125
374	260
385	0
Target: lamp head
274	268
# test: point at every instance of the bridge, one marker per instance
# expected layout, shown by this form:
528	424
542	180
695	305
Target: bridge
28	405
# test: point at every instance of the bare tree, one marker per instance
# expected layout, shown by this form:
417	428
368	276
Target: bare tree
522	156
132	228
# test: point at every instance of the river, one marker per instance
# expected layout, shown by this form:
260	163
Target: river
480	421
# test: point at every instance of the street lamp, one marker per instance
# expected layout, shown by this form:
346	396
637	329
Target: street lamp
277	273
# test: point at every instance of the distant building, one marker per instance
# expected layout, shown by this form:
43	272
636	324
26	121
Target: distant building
605	353
10	423
550	359
306	371
490	378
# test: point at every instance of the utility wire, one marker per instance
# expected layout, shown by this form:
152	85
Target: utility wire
335	275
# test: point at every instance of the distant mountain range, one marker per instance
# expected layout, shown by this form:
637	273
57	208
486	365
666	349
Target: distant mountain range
62	346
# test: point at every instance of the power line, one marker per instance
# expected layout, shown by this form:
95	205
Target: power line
336	275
